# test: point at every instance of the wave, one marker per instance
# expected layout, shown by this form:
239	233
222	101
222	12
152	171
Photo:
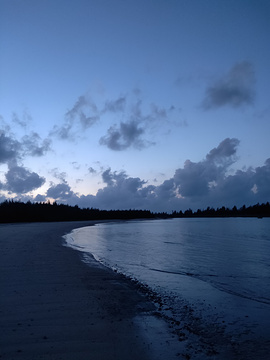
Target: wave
216	285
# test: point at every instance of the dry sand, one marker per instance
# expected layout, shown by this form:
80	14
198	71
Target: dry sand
53	306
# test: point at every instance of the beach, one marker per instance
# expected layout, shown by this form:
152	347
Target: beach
54	306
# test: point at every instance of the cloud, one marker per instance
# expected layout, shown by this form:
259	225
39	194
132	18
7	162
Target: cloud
195	185
81	116
195	179
83	106
225	152
131	133
234	89
92	170
40	198
121	191
125	136
19	180
58	175
34	146
208	182
9	148
12	150
21	121
115	106
61	192
130	124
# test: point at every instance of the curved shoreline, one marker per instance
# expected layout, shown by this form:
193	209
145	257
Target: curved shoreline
53	306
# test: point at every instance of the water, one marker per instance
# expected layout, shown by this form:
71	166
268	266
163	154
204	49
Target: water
218	269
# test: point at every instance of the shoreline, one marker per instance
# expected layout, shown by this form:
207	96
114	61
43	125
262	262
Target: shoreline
53	306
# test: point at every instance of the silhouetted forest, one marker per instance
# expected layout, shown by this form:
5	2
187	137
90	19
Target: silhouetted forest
17	211
258	210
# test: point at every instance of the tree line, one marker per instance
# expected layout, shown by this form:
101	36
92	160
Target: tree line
17	211
258	210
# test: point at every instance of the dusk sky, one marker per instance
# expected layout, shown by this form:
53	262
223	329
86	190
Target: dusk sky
146	104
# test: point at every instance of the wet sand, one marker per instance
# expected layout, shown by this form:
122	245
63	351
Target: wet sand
53	306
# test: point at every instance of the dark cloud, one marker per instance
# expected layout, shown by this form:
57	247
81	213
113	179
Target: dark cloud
262	181
9	148
121	191
196	185
209	182
133	132
40	198
128	130
20	180
34	146
125	136
196	179
225	152
61	192
235	89
12	150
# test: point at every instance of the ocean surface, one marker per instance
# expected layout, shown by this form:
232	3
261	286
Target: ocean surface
214	272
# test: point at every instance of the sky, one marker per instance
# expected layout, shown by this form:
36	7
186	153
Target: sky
146	104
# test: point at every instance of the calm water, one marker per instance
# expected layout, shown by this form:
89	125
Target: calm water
218	267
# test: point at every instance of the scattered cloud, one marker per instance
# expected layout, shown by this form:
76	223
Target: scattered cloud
82	116
33	145
234	89
115	106
23	120
92	170
58	175
133	132
125	136
13	150
76	165
83	110
129	123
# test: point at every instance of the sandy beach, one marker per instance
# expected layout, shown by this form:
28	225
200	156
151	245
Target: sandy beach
53	306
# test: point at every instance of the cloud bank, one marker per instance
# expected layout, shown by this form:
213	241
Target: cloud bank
209	182
195	185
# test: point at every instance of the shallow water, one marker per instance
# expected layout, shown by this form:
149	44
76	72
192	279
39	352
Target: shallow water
219	269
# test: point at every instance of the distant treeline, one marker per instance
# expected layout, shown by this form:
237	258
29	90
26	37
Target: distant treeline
17	211
258	210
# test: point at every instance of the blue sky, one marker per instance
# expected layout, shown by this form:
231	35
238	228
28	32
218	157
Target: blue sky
160	105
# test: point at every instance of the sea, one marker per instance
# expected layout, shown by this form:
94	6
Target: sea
211	274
